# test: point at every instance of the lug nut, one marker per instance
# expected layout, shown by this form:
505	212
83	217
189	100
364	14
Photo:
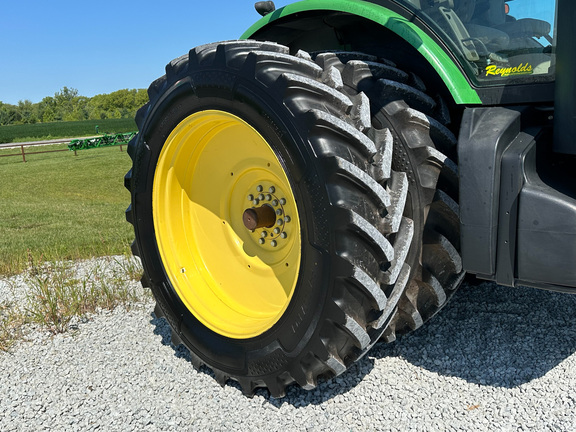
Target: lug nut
264	234
279	222
287	219
250	197
273	243
276	230
259	188
268	197
283	235
275	203
261	197
256	201
278	212
282	201
261	241
271	189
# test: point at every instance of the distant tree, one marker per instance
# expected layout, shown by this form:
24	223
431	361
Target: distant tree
28	112
47	111
9	114
118	104
68	105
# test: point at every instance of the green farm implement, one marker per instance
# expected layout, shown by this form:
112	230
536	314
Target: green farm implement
101	141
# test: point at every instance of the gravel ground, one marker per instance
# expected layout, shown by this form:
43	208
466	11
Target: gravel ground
495	358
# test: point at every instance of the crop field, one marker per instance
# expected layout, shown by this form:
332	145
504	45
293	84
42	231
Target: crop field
46	131
58	206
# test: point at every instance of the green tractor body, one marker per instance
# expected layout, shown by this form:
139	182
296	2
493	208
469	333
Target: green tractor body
326	181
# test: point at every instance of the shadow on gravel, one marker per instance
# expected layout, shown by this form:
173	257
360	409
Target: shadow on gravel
295	395
493	335
487	334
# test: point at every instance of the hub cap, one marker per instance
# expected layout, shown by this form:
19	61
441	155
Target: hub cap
226	224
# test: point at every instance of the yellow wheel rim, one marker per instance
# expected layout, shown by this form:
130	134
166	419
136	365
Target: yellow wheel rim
212	169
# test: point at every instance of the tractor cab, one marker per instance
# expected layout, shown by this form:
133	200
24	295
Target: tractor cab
495	40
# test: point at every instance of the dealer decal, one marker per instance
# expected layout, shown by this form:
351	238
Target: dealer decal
521	69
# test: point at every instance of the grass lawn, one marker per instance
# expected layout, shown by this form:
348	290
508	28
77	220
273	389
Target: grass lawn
59	206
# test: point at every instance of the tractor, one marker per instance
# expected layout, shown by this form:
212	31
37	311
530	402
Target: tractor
327	180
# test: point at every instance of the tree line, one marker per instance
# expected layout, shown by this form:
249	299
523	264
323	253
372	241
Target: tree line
68	105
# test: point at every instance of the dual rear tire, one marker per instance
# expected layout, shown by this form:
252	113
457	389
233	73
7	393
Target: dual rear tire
338	259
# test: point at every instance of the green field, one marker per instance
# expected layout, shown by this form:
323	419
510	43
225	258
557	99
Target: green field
59	206
46	131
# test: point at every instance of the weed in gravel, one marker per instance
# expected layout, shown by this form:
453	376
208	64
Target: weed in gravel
11	321
58	292
54	297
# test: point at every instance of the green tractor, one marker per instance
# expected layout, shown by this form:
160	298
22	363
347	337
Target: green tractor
327	181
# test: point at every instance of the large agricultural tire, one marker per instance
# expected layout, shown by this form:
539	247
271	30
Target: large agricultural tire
232	126
424	149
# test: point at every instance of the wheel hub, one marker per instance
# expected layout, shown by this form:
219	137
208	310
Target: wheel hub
269	223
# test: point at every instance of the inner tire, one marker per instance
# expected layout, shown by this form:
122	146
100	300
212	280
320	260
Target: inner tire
425	149
345	202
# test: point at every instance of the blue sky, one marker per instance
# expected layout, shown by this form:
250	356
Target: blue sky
100	47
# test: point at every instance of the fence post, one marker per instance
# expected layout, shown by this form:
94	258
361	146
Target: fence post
23	155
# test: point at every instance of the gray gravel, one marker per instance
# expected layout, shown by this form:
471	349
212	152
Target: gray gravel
495	358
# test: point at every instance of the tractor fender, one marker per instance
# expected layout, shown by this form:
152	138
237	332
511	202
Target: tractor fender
449	72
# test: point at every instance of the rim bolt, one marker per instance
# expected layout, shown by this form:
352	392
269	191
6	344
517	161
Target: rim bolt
268	197
261	197
278	212
264	234
261	241
287	219
250	197
256	201
259	188
279	222
283	235
282	201
276	230
273	243
275	203
271	189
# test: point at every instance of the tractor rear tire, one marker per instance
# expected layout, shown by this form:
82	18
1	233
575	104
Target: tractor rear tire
266	214
424	149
